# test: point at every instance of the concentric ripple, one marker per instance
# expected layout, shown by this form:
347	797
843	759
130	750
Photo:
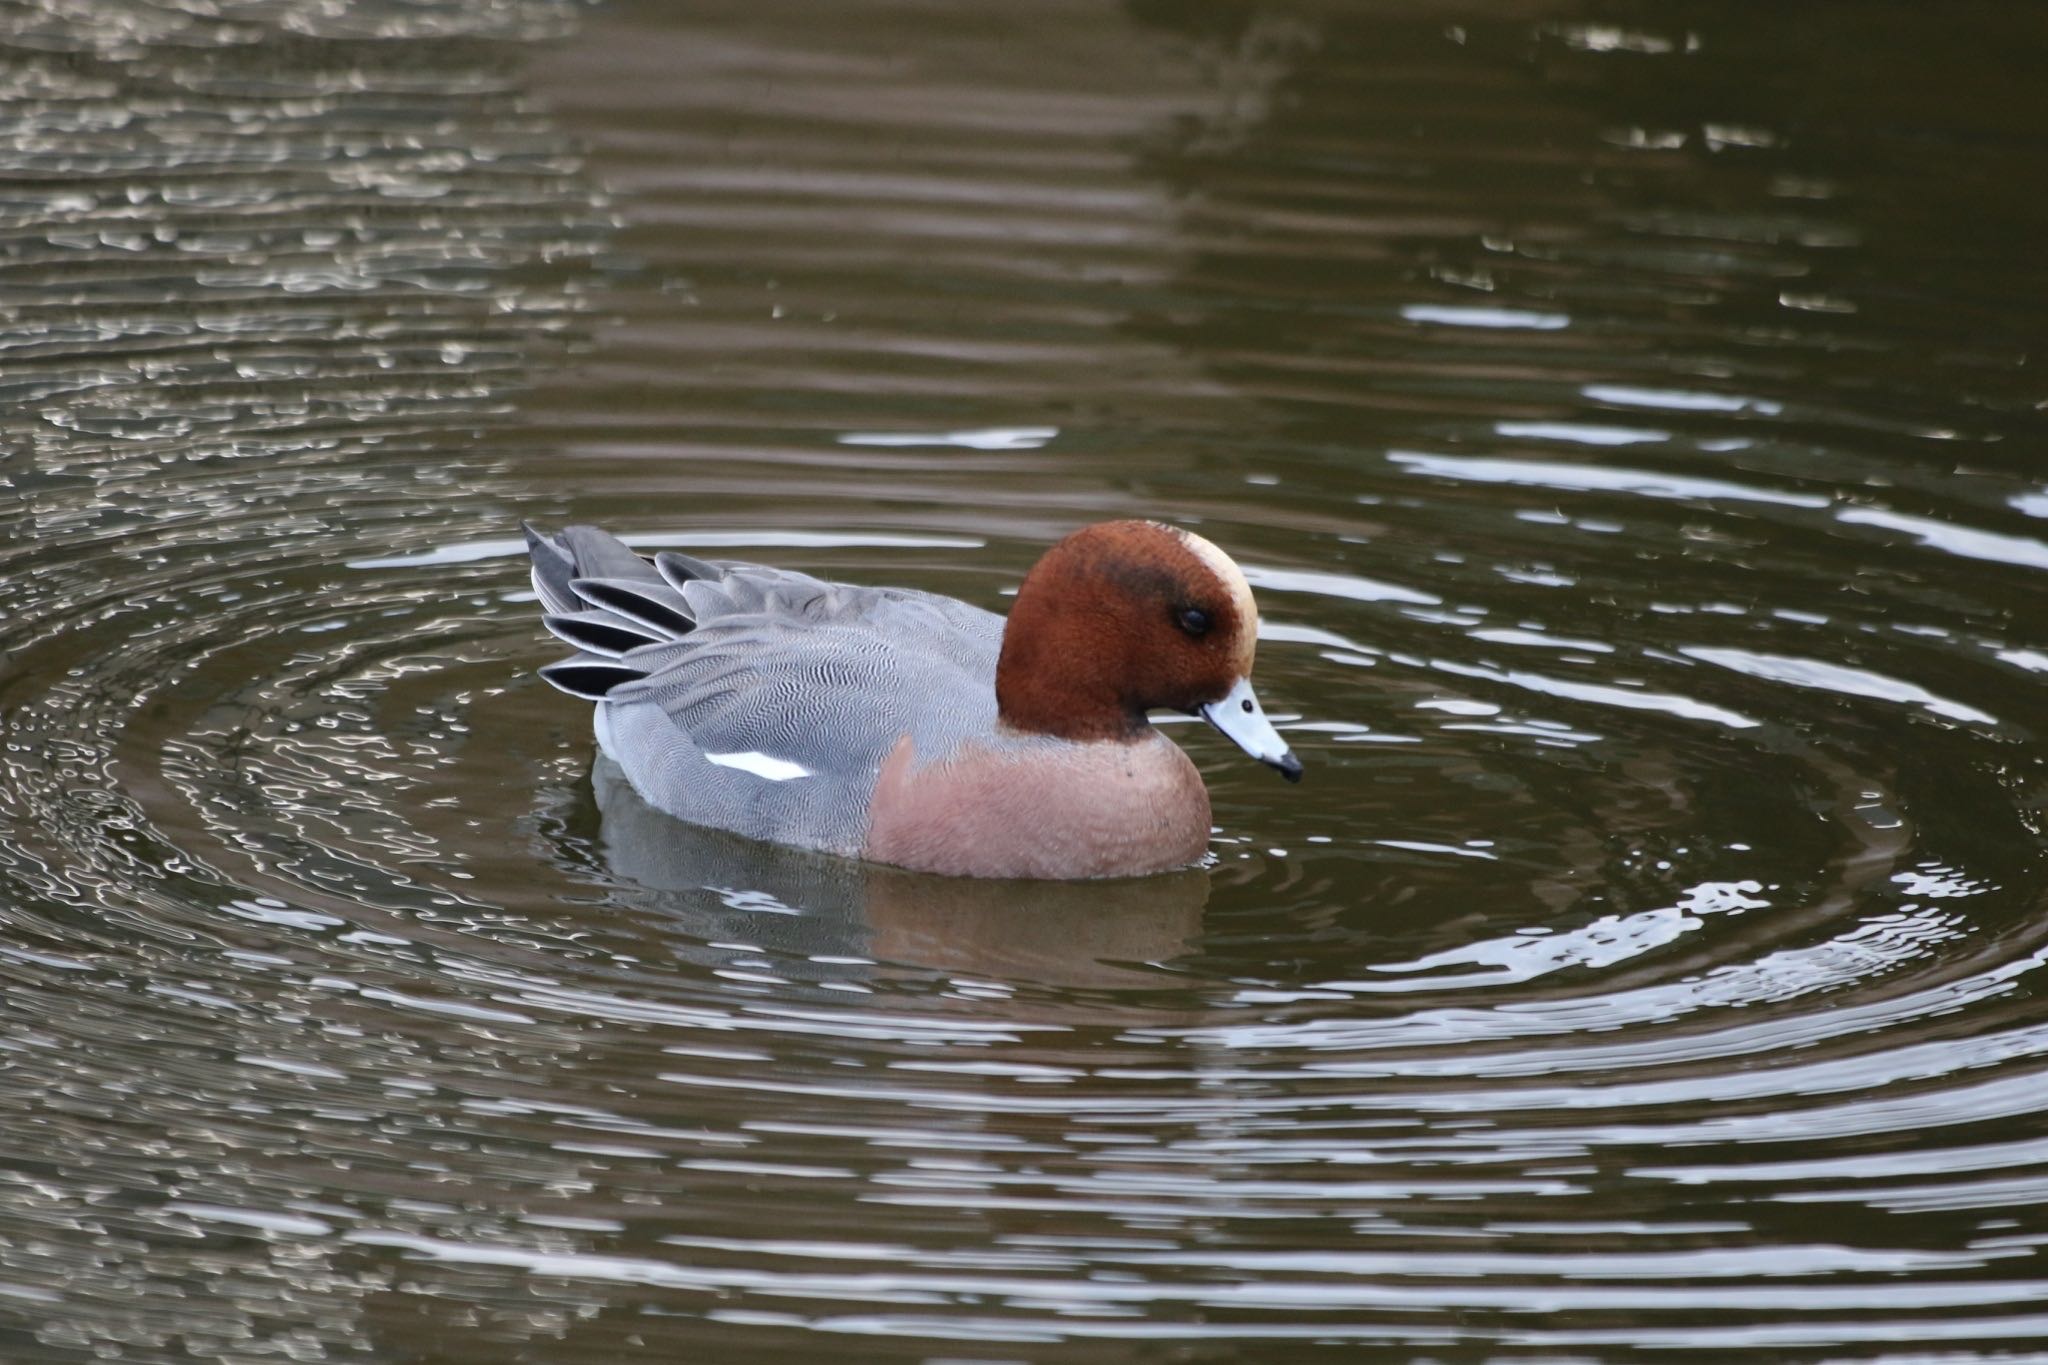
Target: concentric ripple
1628	427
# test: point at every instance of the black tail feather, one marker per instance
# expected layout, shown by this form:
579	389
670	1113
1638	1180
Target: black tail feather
588	676
609	603
600	632
653	604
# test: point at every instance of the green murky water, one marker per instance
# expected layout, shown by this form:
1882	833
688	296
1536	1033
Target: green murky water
1629	414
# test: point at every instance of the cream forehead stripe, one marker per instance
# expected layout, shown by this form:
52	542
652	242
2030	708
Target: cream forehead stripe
1232	578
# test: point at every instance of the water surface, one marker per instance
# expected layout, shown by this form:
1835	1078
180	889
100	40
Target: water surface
1628	414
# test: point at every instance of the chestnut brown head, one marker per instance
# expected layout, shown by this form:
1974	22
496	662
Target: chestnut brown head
1127	617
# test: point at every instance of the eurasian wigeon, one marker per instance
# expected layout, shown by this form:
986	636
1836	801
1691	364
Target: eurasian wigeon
907	728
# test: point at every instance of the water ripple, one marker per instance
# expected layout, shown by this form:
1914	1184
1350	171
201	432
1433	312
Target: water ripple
1644	539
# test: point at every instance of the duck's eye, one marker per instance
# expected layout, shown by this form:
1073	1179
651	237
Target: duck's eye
1193	620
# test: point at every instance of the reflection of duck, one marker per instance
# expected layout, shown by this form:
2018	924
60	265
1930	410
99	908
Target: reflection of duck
800	906
912	729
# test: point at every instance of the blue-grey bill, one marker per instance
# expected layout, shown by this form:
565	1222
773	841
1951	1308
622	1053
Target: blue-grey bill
1240	716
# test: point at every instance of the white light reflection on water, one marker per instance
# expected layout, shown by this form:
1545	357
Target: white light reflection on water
510	547
1597	478
1954	539
1462	315
992	438
1837	678
1680	400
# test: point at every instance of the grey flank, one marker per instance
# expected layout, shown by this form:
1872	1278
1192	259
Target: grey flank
768	668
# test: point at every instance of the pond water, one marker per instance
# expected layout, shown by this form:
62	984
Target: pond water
1630	416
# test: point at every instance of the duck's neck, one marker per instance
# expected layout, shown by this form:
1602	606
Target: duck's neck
1055	679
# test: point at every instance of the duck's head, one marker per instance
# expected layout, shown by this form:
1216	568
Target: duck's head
1127	617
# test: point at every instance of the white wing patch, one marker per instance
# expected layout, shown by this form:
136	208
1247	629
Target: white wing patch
760	765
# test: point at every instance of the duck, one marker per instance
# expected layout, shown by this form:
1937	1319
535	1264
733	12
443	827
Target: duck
912	729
